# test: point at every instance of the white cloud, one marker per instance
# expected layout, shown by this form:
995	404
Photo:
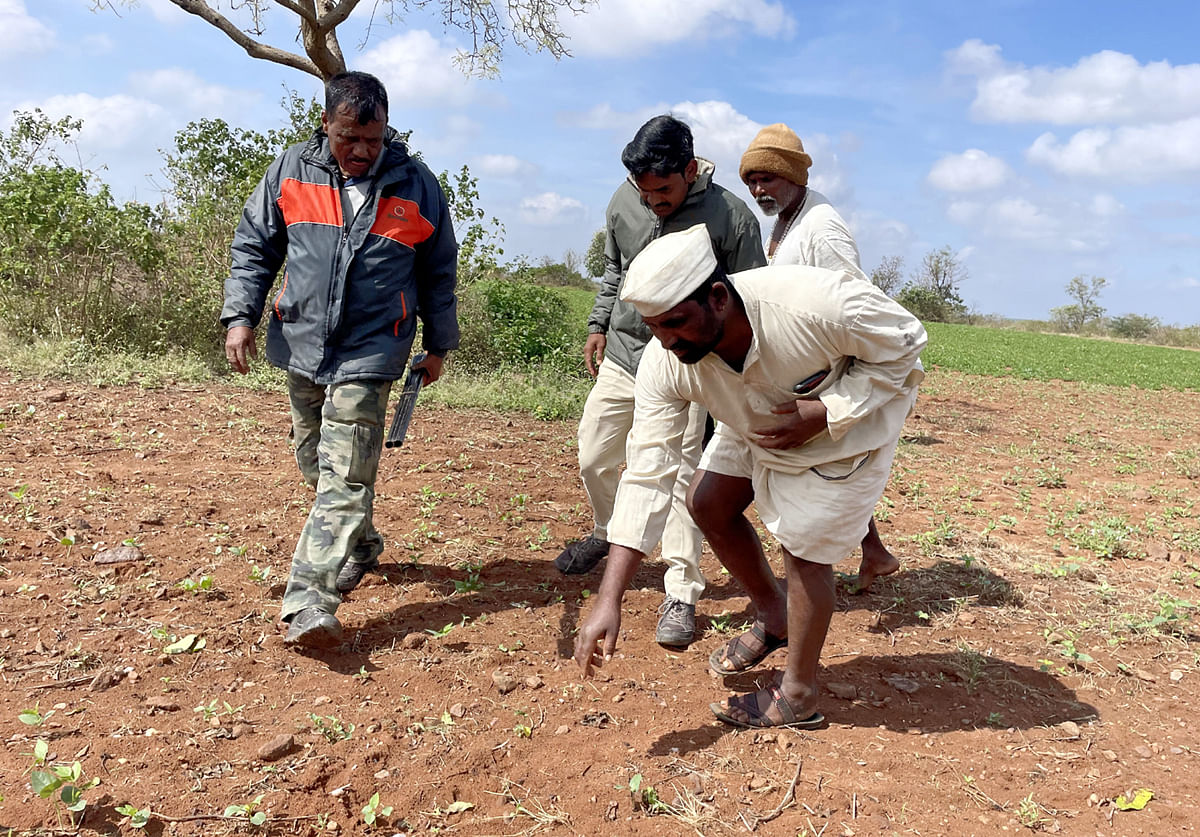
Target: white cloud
20	32
1186	282
1105	205
461	128
1106	87
183	91
629	27
964	212
971	171
974	58
1022	218
1128	153
418	69
110	122
878	236
1056	226
504	166
550	208
720	134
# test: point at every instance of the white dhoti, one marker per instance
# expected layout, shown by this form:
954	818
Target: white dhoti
820	514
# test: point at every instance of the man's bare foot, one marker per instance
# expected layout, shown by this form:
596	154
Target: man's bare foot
876	560
874	564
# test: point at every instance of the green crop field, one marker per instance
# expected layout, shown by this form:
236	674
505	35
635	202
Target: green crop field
580	301
1021	354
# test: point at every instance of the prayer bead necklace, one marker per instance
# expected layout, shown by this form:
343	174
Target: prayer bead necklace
776	241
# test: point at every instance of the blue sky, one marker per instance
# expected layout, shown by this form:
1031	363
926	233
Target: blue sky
1038	140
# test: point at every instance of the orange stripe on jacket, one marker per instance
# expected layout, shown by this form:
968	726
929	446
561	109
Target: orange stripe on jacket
280	296
403	315
309	203
401	220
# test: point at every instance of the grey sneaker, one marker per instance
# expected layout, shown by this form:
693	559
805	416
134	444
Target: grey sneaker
352	573
676	624
314	628
582	556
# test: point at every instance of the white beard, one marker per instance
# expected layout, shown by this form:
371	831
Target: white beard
769	206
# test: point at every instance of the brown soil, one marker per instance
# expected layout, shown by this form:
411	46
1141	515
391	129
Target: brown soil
1032	661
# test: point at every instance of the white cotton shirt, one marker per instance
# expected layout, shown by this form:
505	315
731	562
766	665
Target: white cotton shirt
356	189
803	320
818	237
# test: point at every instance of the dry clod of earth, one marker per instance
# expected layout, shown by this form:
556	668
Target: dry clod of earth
118	555
276	748
1028	665
504	682
845	691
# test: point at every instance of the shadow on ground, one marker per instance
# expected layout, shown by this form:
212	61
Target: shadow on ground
919	694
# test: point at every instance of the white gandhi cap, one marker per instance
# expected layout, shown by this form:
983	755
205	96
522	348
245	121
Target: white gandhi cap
666	272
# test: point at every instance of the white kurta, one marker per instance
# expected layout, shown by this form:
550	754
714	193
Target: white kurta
804	320
819	237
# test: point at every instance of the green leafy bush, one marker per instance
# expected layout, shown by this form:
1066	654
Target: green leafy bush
1133	326
928	306
510	323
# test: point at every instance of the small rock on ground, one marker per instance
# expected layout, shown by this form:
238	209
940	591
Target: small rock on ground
276	748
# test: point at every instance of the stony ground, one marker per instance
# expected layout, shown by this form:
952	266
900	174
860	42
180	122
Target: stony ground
1032	667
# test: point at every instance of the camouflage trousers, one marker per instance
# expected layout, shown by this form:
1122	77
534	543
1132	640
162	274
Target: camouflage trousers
339	432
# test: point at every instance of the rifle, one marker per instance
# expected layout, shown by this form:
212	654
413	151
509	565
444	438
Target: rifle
405	405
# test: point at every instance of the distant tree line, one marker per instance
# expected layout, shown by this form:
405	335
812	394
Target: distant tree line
932	293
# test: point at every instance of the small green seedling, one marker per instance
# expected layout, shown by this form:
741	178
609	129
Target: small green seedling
373	810
138	817
249	811
214	709
62	779
192	585
34	717
645	797
472	582
331	728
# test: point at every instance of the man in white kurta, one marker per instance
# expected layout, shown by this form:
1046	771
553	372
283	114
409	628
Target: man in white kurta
807	231
810	374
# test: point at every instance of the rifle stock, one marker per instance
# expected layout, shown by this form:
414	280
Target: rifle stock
405	406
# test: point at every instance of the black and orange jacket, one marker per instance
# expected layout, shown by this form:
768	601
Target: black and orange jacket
347	304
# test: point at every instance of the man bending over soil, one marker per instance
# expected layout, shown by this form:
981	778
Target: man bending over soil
810	374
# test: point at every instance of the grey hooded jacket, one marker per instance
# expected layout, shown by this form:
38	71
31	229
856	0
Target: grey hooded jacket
346	307
631	225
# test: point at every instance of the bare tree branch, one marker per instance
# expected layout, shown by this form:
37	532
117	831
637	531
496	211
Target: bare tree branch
252	47
530	24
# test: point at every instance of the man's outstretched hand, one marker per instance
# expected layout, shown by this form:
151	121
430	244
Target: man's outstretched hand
597	638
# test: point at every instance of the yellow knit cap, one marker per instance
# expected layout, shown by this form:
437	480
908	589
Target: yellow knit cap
777	150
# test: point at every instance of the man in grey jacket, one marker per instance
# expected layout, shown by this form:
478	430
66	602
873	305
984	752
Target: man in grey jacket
366	234
668	190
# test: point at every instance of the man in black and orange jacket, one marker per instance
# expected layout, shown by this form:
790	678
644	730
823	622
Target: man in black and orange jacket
369	246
